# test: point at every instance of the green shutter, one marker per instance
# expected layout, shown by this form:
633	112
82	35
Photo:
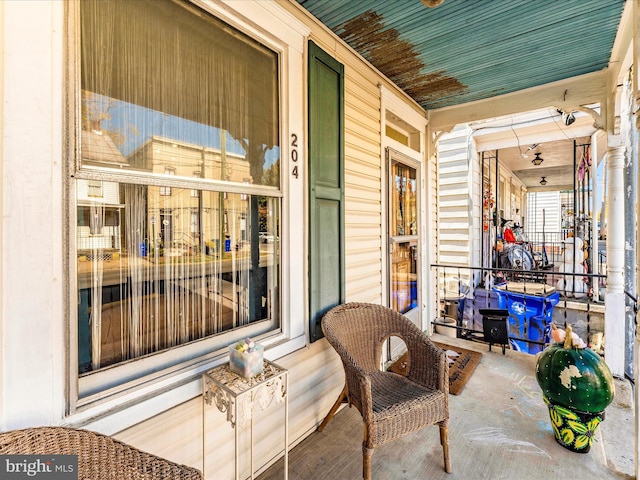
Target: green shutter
326	186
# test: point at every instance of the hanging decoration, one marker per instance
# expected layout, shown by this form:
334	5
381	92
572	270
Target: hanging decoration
487	208
585	162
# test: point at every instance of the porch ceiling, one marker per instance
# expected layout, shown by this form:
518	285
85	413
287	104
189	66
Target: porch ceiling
517	139
469	50
468	60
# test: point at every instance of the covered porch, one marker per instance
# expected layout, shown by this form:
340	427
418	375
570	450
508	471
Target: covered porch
499	428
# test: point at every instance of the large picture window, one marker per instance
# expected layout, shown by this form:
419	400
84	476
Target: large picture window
165	257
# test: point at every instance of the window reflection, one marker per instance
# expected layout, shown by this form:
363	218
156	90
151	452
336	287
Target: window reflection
404	231
185	110
404	261
148	280
403	205
215	156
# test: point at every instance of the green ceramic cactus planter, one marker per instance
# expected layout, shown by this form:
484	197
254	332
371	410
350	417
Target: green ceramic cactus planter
577	386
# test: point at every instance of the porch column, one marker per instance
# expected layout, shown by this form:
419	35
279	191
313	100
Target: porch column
614	317
595	230
636	343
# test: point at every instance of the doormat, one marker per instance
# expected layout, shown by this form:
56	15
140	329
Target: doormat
462	363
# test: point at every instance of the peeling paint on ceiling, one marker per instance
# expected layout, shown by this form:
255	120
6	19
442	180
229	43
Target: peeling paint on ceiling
468	50
398	59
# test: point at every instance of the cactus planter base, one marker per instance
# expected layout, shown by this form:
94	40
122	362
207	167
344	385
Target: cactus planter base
574	430
577	386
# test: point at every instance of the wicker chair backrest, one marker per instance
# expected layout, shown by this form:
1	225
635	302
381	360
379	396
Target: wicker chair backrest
359	330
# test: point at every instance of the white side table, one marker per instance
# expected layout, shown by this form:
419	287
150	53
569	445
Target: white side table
239	397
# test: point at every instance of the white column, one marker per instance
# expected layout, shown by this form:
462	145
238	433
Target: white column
614	317
595	230
636	343
636	346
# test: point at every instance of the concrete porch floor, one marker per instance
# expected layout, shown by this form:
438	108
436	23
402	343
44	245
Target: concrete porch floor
499	429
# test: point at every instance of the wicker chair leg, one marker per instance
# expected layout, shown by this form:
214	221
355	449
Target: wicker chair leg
341	398
444	441
367	453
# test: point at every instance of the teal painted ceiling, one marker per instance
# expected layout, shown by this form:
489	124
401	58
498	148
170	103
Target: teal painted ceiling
466	50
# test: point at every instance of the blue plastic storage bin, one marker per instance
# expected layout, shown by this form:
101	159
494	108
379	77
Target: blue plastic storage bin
529	314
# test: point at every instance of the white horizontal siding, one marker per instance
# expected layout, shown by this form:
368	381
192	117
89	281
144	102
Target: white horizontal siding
454	198
312	370
536	203
363	181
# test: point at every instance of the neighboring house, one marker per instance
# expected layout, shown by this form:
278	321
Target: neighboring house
186	217
99	209
325	154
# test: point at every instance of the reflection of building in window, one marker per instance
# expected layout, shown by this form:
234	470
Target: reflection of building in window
98	227
244	197
166	191
195	222
99	205
98	148
194	192
171	157
94	188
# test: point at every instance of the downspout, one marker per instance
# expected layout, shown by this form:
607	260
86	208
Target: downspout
630	198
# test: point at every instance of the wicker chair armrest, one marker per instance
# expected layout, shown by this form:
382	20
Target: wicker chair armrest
365	399
429	366
358	386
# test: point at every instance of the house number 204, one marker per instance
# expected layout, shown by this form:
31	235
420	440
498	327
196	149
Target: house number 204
294	154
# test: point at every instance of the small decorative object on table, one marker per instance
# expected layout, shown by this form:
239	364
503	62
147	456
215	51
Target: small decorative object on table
577	386
246	358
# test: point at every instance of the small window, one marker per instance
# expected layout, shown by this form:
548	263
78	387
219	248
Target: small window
166	191
195	223
94	188
396	135
401	131
194	192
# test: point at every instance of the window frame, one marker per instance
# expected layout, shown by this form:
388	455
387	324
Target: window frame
395	157
412	123
182	376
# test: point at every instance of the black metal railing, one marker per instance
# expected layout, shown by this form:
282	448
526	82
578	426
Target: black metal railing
535	299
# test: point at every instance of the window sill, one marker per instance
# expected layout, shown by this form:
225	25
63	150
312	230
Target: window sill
122	412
